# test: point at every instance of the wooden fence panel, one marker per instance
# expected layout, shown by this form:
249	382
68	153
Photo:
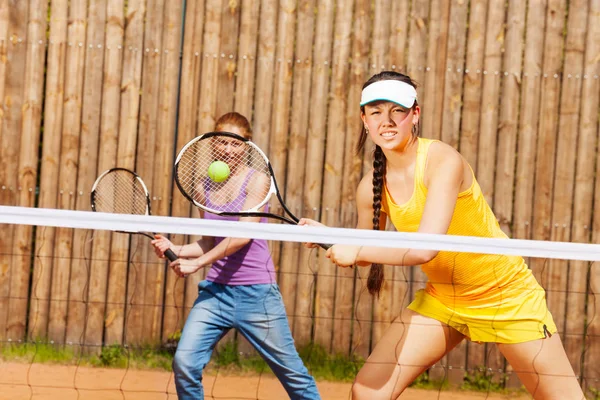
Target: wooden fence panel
470	116
80	300
5	230
48	186
380	46
228	57
564	185
353	170
12	101
315	157
149	138
334	165
109	251
265	70
176	288
162	176
280	115
30	123
64	253
586	220
295	273
509	114
435	68
450	129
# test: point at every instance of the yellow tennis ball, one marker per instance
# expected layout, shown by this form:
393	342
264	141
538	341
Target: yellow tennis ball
218	171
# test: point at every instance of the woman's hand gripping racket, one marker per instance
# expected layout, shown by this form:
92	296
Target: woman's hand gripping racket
213	170
121	191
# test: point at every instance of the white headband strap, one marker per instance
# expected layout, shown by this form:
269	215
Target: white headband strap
391	90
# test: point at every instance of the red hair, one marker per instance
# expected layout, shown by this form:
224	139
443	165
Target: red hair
235	119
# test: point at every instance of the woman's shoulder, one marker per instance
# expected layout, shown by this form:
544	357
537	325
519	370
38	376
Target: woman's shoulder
442	154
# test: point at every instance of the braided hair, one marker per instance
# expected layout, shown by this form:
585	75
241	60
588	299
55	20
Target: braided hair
376	275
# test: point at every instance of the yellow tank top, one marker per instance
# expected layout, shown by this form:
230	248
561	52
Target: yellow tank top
458	278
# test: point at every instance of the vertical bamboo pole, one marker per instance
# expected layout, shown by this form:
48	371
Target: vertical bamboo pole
417	44
228	57
210	66
583	210
31	115
564	291
280	116
265	69
509	114
416	67
547	130
378	60
398	35
398	277
469	137
334	165
79	296
67	174
128	43
325	284
246	68
109	252
435	71
455	65
43	271
147	141
450	129
432	103
529	118
353	167
490	98
296	278
162	183
5	230
189	97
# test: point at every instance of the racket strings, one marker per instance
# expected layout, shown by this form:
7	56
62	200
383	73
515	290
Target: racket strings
246	187
121	192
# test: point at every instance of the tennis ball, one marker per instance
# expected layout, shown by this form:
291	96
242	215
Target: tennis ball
218	171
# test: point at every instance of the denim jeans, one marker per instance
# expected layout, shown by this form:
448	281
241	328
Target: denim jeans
258	313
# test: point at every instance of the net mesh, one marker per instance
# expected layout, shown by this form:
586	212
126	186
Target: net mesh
96	306
120	191
215	170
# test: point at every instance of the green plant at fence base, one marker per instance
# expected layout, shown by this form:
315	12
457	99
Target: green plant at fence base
594	393
482	381
424	381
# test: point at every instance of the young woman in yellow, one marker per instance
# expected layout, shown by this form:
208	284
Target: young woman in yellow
426	186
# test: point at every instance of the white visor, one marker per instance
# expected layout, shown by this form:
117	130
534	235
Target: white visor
391	90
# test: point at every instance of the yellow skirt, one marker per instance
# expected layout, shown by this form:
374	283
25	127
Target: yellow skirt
518	320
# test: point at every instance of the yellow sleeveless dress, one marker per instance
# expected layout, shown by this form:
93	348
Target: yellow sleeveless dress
488	298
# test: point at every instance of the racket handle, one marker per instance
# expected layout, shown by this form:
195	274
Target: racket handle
170	255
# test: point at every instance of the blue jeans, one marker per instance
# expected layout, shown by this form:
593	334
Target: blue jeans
258	313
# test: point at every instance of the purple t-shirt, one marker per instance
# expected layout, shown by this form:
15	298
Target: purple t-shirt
250	265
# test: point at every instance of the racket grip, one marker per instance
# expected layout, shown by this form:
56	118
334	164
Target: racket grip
170	255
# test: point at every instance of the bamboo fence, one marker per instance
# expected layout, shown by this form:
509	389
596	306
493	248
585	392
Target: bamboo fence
86	85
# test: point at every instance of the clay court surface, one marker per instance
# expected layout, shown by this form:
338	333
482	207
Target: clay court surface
52	382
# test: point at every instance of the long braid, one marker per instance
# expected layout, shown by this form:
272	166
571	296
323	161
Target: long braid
375	279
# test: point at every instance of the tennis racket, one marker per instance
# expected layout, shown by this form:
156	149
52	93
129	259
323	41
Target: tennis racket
121	191
221	190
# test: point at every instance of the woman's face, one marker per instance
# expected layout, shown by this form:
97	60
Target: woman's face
390	125
230	150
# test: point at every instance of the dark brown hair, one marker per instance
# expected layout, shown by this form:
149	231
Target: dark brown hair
235	119
375	279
